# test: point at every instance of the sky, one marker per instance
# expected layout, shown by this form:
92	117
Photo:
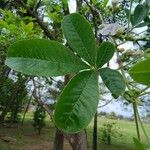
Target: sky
72	6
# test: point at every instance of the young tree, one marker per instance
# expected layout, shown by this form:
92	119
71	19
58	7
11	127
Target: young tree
38	118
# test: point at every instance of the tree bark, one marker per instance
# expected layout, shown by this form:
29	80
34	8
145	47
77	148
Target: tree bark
38	19
95	133
3	115
78	141
59	141
59	136
26	110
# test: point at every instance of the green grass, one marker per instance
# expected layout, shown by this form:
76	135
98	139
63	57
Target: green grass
123	140
27	138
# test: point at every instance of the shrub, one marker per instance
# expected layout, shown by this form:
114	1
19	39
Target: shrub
39	116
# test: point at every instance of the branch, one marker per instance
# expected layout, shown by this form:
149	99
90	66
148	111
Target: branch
38	20
95	11
105	103
39	101
144	93
37	5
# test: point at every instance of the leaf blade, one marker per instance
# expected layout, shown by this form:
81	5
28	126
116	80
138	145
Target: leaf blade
113	81
105	3
143	24
140	12
105	53
77	103
41	57
80	37
140	72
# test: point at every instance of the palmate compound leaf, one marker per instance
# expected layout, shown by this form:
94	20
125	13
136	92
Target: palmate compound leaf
41	57
80	37
77	103
113	80
140	72
105	53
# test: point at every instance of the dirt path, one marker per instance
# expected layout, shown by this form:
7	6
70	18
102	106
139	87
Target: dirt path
45	146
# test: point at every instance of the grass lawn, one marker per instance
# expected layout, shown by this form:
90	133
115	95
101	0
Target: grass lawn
123	140
25	138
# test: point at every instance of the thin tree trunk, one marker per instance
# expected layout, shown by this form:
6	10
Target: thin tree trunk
59	141
95	133
59	137
26	110
3	115
78	141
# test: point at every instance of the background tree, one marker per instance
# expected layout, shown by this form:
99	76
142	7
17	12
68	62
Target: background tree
39	116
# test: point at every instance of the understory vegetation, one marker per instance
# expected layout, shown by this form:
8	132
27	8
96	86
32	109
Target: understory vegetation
24	137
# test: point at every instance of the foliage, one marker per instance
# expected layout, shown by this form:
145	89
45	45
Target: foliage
80	37
140	72
13	25
67	118
113	81
139	15
17	99
48	131
105	53
79	96
39	116
115	22
12	85
50	58
138	144
107	133
12	98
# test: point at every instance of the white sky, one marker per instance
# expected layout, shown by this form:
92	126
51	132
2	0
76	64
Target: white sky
72	6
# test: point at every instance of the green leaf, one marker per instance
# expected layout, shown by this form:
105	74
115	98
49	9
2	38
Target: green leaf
140	72
143	24
138	145
105	53
127	11
113	80
77	103
140	12
40	57
80	37
30	26
105	2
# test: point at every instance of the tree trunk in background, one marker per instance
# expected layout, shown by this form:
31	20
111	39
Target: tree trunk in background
78	141
59	137
3	115
59	141
26	110
95	133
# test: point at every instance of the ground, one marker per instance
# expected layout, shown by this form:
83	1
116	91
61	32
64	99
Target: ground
23	137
